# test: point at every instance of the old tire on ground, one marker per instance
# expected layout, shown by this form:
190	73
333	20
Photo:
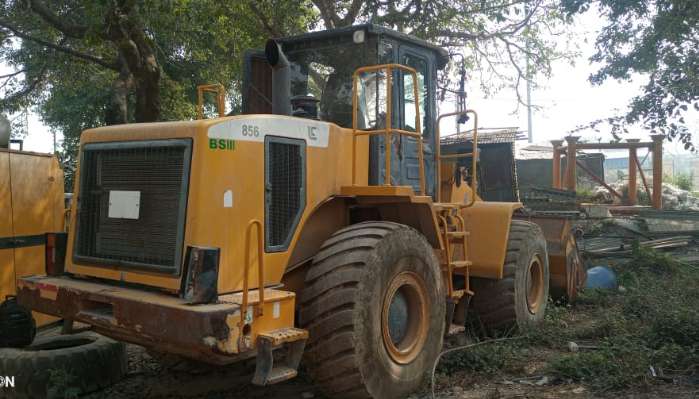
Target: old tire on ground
52	365
374	305
519	299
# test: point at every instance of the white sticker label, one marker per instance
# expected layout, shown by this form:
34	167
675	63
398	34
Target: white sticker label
248	316
124	204
255	128
228	199
276	310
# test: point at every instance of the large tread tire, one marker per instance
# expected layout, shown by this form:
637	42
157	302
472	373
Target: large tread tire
502	305
341	306
55	364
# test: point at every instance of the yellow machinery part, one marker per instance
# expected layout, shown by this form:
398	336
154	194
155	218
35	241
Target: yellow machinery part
31	204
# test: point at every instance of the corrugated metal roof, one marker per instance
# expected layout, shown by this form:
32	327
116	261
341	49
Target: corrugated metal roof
485	136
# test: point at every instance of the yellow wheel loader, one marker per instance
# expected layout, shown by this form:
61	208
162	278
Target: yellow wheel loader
323	219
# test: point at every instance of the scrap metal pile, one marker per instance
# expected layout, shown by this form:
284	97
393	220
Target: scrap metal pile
674	198
617	237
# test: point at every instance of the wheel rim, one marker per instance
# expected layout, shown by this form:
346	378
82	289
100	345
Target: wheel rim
405	317
535	285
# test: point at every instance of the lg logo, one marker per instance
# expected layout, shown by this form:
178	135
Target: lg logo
7	381
312	133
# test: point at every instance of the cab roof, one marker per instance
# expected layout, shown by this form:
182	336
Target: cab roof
441	54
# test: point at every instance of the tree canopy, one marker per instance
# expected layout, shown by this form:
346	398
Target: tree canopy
81	64
495	37
656	38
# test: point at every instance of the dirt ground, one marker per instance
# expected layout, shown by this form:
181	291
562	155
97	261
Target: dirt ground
611	358
148	378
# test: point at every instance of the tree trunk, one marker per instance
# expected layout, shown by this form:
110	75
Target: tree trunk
117	111
136	55
147	87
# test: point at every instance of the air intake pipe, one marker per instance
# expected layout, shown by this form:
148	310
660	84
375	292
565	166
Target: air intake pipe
281	81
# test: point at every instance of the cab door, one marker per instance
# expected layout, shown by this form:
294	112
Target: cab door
405	169
409	164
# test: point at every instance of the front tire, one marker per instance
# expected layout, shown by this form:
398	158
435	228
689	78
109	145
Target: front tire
519	299
374	305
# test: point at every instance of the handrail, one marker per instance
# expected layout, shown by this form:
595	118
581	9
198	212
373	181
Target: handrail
211	88
260	271
473	154
388	131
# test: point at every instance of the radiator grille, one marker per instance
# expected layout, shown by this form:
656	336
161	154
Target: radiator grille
285	190
159	171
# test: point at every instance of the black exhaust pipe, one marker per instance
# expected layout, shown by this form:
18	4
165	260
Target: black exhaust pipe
281	81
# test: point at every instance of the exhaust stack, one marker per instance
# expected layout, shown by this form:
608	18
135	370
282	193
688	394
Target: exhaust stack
4	132
281	82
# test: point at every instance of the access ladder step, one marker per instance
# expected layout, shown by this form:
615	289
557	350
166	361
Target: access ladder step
266	372
284	335
455	329
281	373
458	294
461	264
457	234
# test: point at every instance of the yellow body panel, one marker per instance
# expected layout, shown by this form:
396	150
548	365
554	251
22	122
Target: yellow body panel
241	170
31	204
489	224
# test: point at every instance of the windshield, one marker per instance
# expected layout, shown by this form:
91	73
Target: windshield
326	74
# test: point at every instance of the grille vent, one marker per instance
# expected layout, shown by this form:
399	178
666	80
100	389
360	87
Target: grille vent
160	171
285	170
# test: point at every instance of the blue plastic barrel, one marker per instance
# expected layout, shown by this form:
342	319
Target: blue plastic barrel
601	277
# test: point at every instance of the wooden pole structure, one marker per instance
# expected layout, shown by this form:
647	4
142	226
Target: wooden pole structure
556	183
633	185
657	170
571	176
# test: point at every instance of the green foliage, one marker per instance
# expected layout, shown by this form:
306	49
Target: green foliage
71	59
618	362
62	384
485	359
656	38
655	323
684	181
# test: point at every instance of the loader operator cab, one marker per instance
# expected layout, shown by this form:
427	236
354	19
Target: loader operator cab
321	66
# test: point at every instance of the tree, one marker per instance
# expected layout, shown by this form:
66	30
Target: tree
84	64
495	37
655	38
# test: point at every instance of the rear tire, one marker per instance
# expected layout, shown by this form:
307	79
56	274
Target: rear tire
519	299
374	305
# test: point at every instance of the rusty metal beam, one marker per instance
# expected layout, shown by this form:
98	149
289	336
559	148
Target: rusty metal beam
598	180
610	146
643	177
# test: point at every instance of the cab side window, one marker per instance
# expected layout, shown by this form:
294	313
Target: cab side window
420	66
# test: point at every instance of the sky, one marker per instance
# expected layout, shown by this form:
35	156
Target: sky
566	100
